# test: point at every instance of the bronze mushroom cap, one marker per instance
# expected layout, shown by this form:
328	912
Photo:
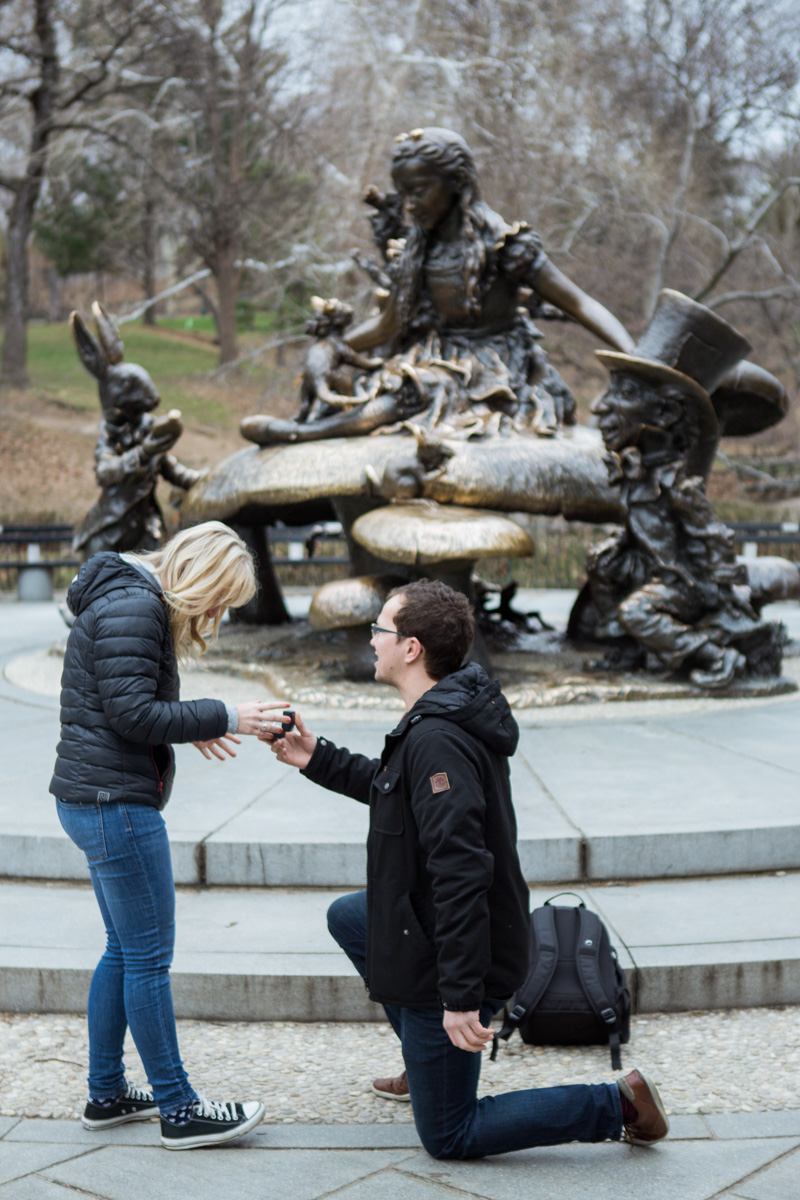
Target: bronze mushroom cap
426	533
748	400
345	603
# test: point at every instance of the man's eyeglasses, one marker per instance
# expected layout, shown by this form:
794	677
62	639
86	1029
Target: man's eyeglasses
373	629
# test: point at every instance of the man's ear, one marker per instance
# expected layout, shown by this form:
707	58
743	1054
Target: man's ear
414	649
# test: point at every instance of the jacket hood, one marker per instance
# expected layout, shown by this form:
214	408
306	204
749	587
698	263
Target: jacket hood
104	573
472	700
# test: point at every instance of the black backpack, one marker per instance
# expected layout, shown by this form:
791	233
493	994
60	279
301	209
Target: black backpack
575	991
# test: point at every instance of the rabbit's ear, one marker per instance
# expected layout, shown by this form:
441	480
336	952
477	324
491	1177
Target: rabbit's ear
89	350
108	333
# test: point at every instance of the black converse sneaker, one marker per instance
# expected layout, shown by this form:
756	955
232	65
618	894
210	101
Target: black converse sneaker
208	1122
133	1105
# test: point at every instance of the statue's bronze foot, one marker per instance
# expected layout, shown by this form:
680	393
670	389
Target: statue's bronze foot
627	657
268	431
719	674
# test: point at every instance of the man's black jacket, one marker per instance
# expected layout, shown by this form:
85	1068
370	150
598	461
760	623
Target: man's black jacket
120	710
447	906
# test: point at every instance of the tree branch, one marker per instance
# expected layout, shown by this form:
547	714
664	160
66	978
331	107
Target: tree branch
739	245
11	183
784	293
170	291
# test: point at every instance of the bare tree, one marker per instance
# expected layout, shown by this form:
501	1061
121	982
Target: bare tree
584	115
223	129
37	91
59	58
727	67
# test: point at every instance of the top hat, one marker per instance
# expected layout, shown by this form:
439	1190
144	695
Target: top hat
686	344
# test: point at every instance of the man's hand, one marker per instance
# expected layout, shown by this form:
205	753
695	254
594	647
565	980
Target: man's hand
293	748
217	747
466	1032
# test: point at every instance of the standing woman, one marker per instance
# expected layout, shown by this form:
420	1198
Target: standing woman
135	617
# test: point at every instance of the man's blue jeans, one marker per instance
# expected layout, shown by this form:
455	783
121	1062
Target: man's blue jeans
443	1080
131	870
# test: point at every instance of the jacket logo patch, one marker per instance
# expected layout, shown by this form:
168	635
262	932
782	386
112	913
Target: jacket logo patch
440	782
101	796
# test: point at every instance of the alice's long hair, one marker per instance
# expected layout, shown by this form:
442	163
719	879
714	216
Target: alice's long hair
201	569
448	155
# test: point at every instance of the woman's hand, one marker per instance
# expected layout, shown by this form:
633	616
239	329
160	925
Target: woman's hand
254	714
294	748
217	747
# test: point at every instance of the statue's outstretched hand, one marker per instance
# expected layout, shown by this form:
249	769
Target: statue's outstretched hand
164	434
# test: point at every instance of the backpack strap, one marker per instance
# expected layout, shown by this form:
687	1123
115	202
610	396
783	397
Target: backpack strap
528	996
588	960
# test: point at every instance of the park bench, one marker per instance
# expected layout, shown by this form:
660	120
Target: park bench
750	535
301	544
21	551
23	544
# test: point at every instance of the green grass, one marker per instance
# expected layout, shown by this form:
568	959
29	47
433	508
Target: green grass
204	325
56	370
255	322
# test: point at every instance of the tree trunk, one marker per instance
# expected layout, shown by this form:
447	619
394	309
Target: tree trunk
26	196
54	310
226	276
149	248
15	347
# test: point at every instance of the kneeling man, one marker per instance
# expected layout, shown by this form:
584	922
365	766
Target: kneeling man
441	934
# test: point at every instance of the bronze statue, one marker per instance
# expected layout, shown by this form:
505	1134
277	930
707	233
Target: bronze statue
668	583
132	450
325	382
461	346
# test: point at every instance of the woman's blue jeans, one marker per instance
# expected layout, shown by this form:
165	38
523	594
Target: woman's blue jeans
443	1080
128	853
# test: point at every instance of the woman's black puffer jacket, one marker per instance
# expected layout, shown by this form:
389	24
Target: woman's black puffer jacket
120	710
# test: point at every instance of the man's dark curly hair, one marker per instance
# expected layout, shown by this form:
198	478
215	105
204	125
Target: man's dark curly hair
441	618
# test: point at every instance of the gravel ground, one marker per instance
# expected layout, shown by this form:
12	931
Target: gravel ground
742	1060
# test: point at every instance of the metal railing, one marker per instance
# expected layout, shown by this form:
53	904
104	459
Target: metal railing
315	553
45	545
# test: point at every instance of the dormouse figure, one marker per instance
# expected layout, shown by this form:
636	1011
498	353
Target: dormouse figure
133	448
326	381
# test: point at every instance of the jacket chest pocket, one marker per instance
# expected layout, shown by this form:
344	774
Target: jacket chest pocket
387	803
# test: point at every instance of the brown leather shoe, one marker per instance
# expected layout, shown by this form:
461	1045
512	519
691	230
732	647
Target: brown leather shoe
652	1123
392	1089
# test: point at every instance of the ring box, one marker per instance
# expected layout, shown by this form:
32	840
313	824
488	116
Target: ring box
288	727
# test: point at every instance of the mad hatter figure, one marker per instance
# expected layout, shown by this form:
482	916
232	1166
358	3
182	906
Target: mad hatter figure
669	582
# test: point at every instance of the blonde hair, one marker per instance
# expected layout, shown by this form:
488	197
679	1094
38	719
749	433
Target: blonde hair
203	568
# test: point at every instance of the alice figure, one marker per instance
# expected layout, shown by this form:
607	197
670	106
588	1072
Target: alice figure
453	311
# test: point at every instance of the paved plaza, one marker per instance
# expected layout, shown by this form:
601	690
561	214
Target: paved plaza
677	821
739	1157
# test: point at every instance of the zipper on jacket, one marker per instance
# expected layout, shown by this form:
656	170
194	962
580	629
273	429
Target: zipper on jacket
158	773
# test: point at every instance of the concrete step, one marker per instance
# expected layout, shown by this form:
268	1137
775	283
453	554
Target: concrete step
648	790
252	954
646	796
